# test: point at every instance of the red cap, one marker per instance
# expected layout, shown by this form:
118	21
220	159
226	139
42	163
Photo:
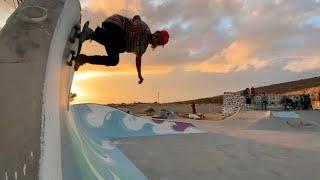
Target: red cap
164	37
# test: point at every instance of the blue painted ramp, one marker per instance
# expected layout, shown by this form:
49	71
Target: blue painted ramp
88	151
286	114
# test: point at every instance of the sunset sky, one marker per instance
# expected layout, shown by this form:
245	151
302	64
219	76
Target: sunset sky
214	46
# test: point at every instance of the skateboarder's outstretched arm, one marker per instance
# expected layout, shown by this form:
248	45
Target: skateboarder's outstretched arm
138	65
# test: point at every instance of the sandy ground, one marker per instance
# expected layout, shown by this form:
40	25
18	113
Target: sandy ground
250	145
211	111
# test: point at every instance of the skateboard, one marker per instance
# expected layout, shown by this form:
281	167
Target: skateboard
75	37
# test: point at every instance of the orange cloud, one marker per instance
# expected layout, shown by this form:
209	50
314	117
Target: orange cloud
239	56
112	6
303	65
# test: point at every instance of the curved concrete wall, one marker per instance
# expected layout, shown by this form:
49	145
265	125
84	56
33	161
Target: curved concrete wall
58	81
56	90
35	84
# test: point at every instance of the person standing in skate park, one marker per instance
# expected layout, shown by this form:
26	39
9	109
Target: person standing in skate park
121	34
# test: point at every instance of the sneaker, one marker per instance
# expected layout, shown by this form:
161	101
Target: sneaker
79	61
86	32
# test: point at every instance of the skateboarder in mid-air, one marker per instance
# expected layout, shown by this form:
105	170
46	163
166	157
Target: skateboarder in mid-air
120	34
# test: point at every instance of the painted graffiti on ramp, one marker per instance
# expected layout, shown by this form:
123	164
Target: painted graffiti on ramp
88	151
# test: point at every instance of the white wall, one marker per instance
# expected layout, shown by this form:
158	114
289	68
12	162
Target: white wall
56	89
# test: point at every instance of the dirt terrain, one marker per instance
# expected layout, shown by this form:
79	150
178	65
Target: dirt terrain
211	111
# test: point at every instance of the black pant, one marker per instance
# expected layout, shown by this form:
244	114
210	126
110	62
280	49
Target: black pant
112	37
264	105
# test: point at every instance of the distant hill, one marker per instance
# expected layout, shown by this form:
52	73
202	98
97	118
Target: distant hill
287	87
209	100
280	88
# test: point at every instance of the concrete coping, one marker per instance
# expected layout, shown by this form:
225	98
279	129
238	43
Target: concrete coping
33	14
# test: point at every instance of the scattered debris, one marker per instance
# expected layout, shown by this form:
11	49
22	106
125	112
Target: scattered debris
194	116
300	124
150	111
31	155
166	114
24	169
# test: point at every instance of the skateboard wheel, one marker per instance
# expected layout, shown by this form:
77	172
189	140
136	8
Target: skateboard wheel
73	35
73	52
77	27
72	40
69	63
78	35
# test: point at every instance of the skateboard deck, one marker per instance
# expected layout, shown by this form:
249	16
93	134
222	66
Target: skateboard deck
75	37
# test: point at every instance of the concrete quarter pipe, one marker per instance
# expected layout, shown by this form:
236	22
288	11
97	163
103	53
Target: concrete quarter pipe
34	87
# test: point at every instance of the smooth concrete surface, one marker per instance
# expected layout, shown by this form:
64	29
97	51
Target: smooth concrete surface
249	146
25	47
57	85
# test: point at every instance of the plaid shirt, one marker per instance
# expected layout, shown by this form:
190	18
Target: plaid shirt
137	43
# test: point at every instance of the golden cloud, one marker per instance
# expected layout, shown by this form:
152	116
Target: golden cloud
304	65
239	56
112	6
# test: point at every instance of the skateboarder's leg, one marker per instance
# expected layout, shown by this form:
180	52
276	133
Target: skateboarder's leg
97	60
109	35
101	36
112	37
86	33
111	60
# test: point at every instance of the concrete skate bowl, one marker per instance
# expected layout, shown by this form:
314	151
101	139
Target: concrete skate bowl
245	120
89	150
289	121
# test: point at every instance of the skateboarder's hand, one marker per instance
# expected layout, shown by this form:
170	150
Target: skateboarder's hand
141	80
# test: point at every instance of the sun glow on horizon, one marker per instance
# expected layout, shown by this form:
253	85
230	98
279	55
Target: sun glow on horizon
86	81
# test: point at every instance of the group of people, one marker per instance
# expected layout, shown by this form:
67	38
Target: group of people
249	95
297	102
